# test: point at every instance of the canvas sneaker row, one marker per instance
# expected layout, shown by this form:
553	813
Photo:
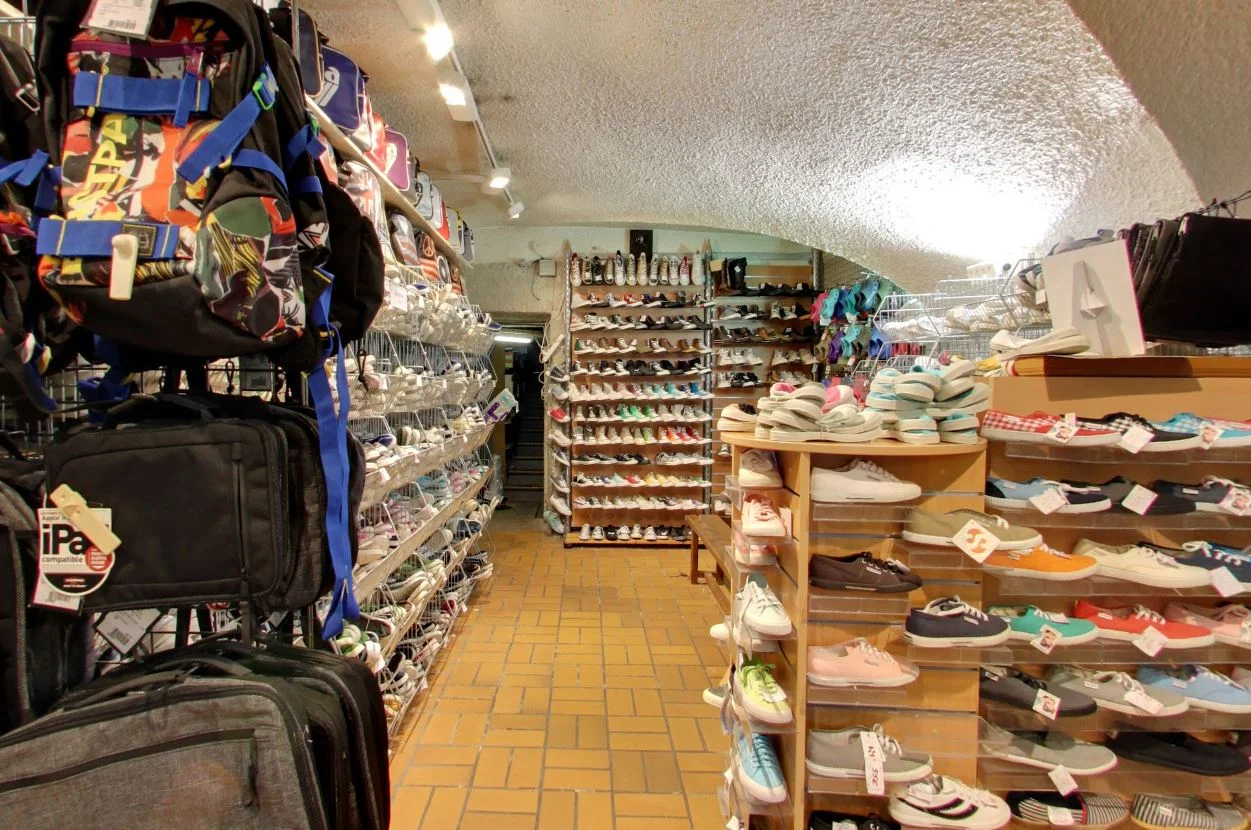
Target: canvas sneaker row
860	480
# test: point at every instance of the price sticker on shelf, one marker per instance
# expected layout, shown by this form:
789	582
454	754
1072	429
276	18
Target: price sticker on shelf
975	540
1049	501
874	763
1209	434
1047	704
1225	583
1144	701
1135	438
1059	816
1139	500
1063	779
1150	643
1237	501
1046	641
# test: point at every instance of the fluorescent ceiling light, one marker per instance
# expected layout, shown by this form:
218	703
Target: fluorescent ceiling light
438	40
499	178
454	87
513	338
515	209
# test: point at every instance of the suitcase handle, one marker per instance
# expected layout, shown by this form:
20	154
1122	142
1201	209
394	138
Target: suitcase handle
126	410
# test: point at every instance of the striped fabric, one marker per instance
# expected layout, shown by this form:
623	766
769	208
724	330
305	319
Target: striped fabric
1184	813
1090	811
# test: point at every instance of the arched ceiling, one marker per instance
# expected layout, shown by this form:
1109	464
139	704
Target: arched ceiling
912	136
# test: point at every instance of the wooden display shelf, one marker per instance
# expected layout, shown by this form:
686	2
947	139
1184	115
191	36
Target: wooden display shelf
878	447
345	148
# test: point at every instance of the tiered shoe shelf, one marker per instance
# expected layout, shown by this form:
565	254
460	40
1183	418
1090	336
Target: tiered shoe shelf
697	349
937	713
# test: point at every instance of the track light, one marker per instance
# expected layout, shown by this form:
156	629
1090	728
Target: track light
513	338
499	178
438	40
515	209
453	95
454	87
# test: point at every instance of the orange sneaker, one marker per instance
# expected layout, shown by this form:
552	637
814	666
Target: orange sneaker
1041	562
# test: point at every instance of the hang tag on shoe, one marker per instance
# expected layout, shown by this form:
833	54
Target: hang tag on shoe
1045	642
1237	501
1059	816
1144	701
975	540
1049	501
1063	779
1062	431
728	774
733	824
874	763
1047	704
1150	643
1139	500
1210	434
1225	583
1135	438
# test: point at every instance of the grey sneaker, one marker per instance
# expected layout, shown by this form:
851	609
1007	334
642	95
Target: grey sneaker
1048	750
838	755
1184	812
1110	690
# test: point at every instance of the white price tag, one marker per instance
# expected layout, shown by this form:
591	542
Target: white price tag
1045	642
397	293
1049	501
125	17
1063	780
729	775
1040	297
1059	816
1237	501
874	763
50	597
1225	583
1047	704
1210	434
1144	701
123	629
975	540
733	823
1150	642
1135	438
1139	500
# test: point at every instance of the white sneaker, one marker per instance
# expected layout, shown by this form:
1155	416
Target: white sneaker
561	506
758	468
649	535
943	801
721	632
1143	565
1060	341
759	518
597	534
860	481
760	608
585	535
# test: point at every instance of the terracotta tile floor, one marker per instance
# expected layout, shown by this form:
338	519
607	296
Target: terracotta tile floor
570	699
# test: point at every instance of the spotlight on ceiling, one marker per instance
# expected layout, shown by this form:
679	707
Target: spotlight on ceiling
438	40
454	87
513	338
515	209
499	178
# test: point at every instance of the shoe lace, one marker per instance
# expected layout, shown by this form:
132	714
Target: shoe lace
874	469
895	565
1050	615
1156	556
1208	481
871	650
957	604
889	745
1144	613
1212	553
1128	683
760	674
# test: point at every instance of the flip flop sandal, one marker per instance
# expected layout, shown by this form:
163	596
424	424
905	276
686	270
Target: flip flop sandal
915	431
953	388
884	381
956	369
976	394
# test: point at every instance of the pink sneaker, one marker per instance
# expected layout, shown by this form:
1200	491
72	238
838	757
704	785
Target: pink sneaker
1230	624
837	396
857	663
779	389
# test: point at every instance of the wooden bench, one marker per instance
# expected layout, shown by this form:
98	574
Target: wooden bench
714	533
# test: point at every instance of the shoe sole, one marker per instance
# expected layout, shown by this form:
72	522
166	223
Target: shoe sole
843	772
945	541
1128	636
1139	578
1126	709
844	683
1018	504
1075	640
759	792
829	585
1032	762
1045	576
712	700
1020	437
1213	706
1148	826
948	642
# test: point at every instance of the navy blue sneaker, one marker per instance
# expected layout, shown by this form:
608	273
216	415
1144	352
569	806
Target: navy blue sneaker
1210	557
949	621
1206	496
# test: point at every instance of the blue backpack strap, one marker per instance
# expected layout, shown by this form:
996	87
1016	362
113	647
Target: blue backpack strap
221	144
143	96
94	237
259	161
332	431
305	141
111	387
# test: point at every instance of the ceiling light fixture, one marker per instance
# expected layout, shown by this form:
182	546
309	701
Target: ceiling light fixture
513	338
454	87
499	178
515	209
438	40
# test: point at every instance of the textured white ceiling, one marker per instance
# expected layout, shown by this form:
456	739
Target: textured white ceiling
909	135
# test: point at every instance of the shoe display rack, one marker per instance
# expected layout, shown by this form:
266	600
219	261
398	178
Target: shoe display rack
762	332
638	403
937	713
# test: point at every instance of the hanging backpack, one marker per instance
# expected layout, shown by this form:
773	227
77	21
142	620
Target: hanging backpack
423	199
399	164
403	238
344	100
357	263
311	63
362	184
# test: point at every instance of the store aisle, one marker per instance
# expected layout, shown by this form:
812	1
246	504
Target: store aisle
570	698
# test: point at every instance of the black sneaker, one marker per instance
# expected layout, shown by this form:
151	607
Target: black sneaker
1207	495
1016	688
949	621
1162	440
861	572
662	532
1116	489
1178	750
597	271
1085	811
